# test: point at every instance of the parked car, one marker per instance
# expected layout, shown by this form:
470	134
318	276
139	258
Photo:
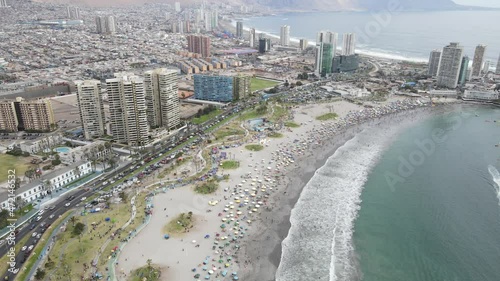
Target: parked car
24	248
34	234
67	204
31	247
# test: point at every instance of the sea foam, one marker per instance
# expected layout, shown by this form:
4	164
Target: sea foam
496	178
319	243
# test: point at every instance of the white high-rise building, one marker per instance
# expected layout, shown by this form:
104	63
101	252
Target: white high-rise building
434	58
253	38
105	24
285	35
73	13
486	67
177	6
449	65
328	37
127	109
498	66
91	108
162	100
208	21
3	3
478	60
349	44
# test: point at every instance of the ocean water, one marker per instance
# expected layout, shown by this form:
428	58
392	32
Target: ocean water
399	35
366	216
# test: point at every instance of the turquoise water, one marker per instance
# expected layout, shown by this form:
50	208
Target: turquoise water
62	149
438	219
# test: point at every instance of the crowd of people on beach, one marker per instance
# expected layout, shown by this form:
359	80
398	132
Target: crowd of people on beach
241	204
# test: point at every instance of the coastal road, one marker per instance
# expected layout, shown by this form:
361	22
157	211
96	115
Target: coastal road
57	209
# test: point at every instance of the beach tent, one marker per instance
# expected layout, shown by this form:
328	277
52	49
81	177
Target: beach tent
166	236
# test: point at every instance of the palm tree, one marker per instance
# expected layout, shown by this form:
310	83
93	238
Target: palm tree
77	171
30	174
73	220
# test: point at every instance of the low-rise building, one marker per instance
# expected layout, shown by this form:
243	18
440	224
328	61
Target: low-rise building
50	182
480	95
443	94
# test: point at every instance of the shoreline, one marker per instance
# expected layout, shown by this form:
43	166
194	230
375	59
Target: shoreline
294	41
266	240
270	223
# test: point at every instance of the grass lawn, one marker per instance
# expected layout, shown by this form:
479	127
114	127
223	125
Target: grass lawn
259	84
207	187
8	162
279	112
147	272
179	224
327	116
206	117
228	131
275	135
230	164
83	249
254	147
291	124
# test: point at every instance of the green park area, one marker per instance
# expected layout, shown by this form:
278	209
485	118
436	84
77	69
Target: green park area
327	116
257	84
205	117
180	224
9	162
291	124
254	147
230	164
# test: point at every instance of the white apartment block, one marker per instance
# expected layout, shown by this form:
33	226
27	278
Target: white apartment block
285	35
449	65
162	100
91	108
127	108
349	44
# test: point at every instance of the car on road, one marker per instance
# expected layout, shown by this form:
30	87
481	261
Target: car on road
38	236
15	271
38	218
34	234
52	207
67	204
83	198
24	248
31	247
51	216
41	212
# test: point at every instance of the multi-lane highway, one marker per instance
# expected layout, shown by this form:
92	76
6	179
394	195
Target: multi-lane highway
53	211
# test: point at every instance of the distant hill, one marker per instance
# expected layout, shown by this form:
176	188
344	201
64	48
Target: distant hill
292	5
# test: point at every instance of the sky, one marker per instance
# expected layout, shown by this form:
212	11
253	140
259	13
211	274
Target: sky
484	3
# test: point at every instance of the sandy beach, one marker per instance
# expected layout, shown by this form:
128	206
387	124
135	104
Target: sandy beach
254	204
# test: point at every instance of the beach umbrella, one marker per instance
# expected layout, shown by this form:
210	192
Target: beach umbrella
223	226
196	276
210	272
194	241
224	273
207	277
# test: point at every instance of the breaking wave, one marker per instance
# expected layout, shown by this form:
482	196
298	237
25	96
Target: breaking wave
319	243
